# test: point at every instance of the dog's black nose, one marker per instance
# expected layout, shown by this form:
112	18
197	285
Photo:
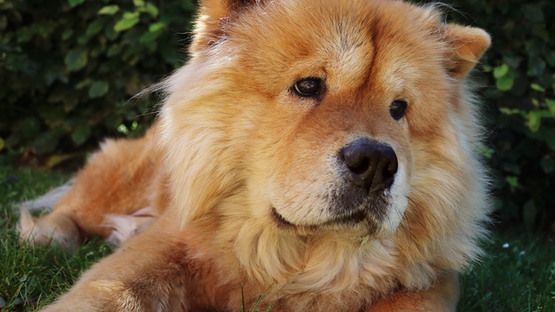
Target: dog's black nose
372	165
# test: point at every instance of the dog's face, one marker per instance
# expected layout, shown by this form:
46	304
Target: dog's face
331	148
320	109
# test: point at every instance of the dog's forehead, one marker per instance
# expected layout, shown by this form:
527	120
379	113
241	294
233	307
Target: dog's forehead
338	39
348	53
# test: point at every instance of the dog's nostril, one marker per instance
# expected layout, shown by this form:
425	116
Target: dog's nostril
372	165
360	165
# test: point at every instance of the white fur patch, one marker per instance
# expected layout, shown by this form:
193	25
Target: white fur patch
26	224
48	200
42	233
126	226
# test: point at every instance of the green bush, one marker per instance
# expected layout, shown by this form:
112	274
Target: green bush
69	67
520	104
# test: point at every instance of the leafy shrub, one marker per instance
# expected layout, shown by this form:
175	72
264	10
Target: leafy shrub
520	75
69	68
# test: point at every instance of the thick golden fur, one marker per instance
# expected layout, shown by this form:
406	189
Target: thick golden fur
245	178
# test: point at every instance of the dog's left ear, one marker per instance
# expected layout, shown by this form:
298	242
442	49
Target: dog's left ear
214	16
466	47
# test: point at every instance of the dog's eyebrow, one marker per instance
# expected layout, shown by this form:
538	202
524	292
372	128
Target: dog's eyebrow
353	57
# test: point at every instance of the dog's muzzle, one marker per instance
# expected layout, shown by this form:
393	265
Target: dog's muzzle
371	165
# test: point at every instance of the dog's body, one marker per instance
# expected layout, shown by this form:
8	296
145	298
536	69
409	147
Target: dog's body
323	148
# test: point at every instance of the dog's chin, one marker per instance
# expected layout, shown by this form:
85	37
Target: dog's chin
280	220
358	220
350	209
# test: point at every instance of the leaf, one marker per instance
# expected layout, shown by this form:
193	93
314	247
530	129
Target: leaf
84	83
81	134
551	105
130	15
46	143
152	9
24	34
74	3
98	89
537	66
510	111
50	76
57	159
500	71
123	129
155	27
537	87
534	120
485	151
67	34
127	21
549	137
94	27
139	3
115	49
109	10
76	59
110	33
504	83
150	36
1	144
45	28
513	181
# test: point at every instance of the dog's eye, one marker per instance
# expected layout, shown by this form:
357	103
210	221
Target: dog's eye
308	87
397	109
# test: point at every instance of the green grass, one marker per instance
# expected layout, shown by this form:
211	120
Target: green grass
33	277
518	273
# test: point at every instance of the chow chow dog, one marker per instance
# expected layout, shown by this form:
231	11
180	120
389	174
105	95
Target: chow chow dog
322	150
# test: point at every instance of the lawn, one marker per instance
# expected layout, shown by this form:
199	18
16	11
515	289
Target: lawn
517	275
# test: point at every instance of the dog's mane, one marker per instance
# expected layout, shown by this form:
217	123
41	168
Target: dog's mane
208	176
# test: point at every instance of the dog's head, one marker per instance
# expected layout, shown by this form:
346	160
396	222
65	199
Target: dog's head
323	115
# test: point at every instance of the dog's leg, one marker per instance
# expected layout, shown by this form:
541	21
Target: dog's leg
148	273
122	179
442	297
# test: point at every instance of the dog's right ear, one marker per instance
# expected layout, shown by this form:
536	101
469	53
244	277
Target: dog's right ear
214	16
467	45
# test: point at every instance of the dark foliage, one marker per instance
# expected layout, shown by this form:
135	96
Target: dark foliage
520	104
68	69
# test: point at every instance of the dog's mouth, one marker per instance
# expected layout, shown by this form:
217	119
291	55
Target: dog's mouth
346	206
349	219
280	219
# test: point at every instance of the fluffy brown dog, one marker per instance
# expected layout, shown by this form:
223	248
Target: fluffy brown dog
327	148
